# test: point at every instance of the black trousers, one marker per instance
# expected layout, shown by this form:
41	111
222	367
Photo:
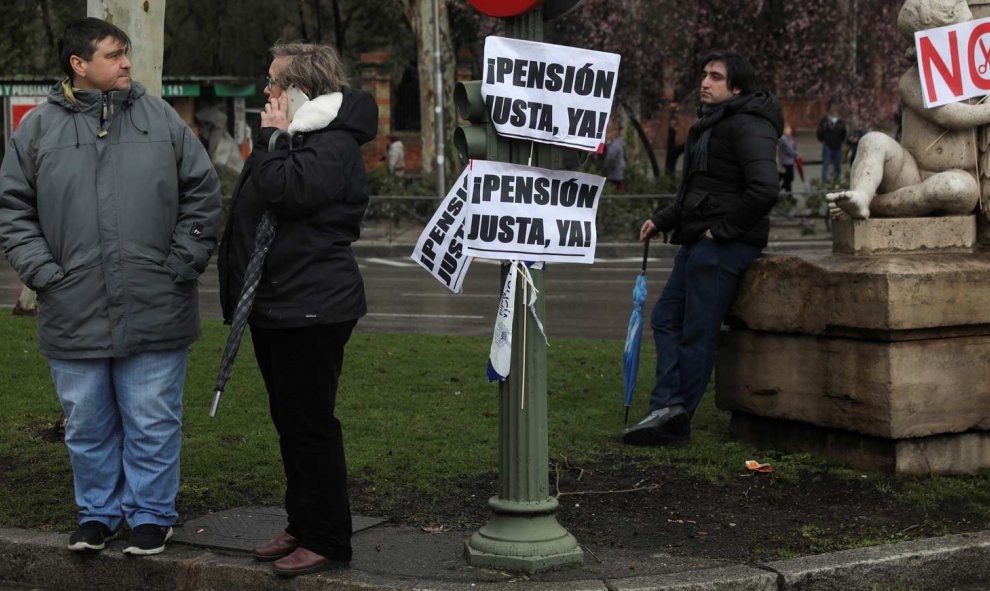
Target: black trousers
301	368
787	177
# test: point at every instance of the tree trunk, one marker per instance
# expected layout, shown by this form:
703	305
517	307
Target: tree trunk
338	26
144	23
420	16
847	46
301	4
318	17
46	18
641	133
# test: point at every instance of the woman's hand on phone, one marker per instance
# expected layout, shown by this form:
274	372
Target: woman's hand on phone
275	113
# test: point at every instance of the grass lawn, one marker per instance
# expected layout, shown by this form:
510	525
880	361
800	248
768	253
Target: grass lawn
418	416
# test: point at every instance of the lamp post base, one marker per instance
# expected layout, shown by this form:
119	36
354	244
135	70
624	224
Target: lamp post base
523	536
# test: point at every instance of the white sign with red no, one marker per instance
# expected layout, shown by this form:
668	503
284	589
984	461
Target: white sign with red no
954	62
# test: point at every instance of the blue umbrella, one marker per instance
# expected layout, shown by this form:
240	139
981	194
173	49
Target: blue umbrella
630	358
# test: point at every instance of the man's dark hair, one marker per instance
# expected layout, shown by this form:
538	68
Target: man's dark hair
738	71
81	37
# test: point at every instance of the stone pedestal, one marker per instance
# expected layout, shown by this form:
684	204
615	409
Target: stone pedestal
881	361
904	235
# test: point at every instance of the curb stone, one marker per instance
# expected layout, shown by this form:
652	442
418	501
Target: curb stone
40	559
933	563
730	578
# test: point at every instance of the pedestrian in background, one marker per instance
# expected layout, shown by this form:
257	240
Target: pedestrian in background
787	154
615	163
109	209
832	134
720	219
306	172
396	156
853	142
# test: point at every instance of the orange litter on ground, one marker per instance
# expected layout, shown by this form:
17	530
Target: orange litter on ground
759	468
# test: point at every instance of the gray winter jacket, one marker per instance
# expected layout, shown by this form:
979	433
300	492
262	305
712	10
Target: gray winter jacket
109	209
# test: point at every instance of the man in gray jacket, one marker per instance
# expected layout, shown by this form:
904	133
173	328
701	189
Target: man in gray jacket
109	209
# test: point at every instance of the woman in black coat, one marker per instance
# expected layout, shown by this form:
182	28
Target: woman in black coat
307	171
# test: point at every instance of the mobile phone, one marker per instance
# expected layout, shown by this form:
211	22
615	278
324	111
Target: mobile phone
296	98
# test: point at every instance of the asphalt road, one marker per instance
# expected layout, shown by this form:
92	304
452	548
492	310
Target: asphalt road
583	301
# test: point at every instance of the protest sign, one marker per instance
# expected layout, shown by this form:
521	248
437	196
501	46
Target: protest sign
954	62
549	93
440	248
517	212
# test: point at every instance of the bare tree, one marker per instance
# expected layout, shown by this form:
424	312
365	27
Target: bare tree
46	19
419	13
144	22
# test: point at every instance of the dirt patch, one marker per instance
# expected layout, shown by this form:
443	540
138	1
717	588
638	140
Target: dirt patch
746	519
51	433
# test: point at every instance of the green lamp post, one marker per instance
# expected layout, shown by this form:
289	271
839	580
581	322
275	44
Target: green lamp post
523	533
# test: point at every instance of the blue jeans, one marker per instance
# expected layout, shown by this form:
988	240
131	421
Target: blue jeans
123	431
687	318
831	156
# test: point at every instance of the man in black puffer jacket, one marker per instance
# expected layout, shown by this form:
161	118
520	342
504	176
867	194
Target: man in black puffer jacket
720	218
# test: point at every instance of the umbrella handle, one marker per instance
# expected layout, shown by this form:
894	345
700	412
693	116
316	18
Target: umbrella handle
646	252
216	403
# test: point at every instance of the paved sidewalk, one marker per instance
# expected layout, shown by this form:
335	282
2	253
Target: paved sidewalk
390	557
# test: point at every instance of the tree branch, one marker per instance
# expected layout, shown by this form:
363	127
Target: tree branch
643	138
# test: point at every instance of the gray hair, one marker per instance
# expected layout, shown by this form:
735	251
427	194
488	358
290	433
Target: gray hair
315	68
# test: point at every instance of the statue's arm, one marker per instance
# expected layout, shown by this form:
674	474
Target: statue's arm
955	116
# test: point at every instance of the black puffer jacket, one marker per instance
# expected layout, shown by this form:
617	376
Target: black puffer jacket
318	191
730	174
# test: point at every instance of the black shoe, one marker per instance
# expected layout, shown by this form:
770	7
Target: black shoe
91	535
148	539
664	425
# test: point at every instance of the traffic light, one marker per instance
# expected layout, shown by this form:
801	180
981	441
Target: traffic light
477	139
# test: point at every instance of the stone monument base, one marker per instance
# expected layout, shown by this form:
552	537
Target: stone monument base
959	453
879	360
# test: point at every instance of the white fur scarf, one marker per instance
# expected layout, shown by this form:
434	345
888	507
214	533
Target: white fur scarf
316	113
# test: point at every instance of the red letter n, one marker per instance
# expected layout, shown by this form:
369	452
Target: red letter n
929	57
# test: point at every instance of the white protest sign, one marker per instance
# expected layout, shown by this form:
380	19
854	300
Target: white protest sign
549	93
954	62
517	212
439	249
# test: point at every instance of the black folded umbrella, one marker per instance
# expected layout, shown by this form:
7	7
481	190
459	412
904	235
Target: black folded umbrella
252	275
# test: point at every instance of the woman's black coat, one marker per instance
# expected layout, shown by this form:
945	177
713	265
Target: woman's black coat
318	191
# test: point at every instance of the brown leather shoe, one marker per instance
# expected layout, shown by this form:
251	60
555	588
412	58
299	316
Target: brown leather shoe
303	562
281	545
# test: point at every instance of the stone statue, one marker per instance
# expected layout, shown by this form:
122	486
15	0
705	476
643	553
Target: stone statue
933	170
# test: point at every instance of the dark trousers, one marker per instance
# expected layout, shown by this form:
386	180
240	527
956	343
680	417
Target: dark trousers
301	367
688	315
831	156
787	177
